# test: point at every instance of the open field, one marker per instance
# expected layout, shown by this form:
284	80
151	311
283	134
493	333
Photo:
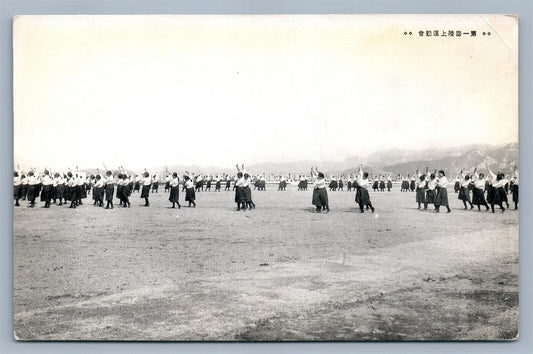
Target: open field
280	272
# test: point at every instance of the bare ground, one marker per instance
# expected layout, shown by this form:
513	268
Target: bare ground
280	272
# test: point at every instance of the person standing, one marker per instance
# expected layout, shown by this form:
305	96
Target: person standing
46	193
514	188
190	195
478	193
320	193
247	191
98	191
174	185
498	184
217	184
145	192
441	198
17	187
361	195
464	192
109	183
421	186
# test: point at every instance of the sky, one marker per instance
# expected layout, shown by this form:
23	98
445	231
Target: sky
139	91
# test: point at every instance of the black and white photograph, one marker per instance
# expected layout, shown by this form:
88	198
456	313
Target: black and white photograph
265	178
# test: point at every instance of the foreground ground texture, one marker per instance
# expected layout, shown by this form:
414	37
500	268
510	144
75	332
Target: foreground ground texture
280	272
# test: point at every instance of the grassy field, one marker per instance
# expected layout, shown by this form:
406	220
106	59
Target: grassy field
279	272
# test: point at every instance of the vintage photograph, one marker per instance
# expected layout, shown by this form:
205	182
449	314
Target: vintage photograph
265	178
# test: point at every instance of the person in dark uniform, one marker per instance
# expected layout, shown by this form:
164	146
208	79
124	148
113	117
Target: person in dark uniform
362	198
174	184
190	195
109	183
145	192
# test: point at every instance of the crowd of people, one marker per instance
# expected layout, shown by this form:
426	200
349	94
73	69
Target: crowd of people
73	187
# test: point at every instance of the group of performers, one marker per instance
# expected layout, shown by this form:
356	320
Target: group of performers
473	188
431	189
320	194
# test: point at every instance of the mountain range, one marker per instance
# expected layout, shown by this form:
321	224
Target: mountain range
397	161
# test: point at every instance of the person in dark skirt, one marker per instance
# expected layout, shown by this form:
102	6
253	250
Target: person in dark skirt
514	188
457	185
362	198
145	192
155	184
431	190
120	186
24	186
375	185
381	184
199	183
17	187
247	192
126	191
498	196
137	187
74	191
478	195
174	184
47	189
59	188
228	183
421	186
190	195
320	193
33	188
208	184
81	188
167	182
405	184
412	184
389	184
464	192
98	191
349	183
109	189
218	184
441	197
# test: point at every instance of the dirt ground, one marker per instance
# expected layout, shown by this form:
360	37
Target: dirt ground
279	272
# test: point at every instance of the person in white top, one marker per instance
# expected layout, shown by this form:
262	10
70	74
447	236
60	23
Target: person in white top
478	190
199	183
239	190
389	183
218	182
514	187
155	183
190	195
59	188
430	188
421	186
174	184
167	182
98	191
498	184
320	193
145	192
464	192
47	187
247	191
34	183
441	198
17	187
361	195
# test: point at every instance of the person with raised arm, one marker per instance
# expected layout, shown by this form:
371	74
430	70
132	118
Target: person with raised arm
361	195
190	195
478	191
499	196
389	183
464	192
441	197
168	178
320	193
174	184
126	191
